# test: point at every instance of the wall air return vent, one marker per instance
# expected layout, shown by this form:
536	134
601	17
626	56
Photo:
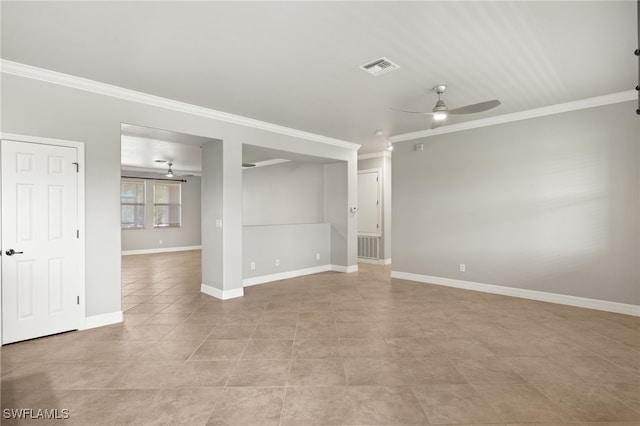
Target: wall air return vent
379	66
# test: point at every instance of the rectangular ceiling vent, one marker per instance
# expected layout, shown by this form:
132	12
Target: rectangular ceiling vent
379	66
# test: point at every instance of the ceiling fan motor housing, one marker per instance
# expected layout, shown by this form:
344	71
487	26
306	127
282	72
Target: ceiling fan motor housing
440	106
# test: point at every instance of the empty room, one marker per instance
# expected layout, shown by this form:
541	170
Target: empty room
320	213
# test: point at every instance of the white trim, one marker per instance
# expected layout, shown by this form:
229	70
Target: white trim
268	163
101	320
48	76
597	101
79	146
375	155
374	170
374	261
347	269
160	250
37	139
160	171
263	279
562	299
221	294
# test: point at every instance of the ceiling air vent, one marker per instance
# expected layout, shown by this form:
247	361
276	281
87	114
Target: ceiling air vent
379	66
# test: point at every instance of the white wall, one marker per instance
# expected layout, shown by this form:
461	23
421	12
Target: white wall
187	235
548	204
40	108
283	193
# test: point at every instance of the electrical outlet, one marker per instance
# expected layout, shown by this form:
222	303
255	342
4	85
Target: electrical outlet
253	266
277	262
463	267
317	256
218	223
160	242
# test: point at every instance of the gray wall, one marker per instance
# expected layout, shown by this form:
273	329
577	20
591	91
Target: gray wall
212	210
283	193
187	235
384	164
295	246
547	204
38	108
336	210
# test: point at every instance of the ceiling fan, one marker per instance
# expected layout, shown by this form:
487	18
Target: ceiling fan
170	173
440	111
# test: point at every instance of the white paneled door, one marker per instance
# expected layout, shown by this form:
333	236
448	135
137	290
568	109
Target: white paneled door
369	207
40	246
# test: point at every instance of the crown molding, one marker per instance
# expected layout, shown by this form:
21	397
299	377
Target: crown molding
386	154
54	77
597	101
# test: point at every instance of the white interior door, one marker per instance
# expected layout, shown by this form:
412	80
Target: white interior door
369	203
40	246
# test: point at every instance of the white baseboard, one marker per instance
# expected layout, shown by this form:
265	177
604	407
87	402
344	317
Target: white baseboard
221	294
347	269
160	250
374	261
247	282
562	299
263	279
101	320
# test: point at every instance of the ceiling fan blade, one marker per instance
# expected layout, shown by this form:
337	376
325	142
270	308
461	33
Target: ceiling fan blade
413	112
473	108
436	123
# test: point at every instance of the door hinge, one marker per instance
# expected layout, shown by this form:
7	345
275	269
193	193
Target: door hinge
77	233
77	166
377	202
377	180
377	225
78	299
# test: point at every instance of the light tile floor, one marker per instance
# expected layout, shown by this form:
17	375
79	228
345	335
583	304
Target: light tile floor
329	349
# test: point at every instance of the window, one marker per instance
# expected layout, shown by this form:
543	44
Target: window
166	205
132	204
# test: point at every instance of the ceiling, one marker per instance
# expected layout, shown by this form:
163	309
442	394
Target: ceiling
142	146
296	63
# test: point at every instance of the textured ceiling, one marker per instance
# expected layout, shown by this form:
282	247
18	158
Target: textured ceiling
296	63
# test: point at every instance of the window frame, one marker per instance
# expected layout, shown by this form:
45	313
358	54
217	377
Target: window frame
169	205
136	204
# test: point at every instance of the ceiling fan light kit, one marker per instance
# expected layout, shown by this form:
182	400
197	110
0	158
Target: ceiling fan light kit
439	115
169	172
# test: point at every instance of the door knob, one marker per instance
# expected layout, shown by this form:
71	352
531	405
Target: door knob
11	252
